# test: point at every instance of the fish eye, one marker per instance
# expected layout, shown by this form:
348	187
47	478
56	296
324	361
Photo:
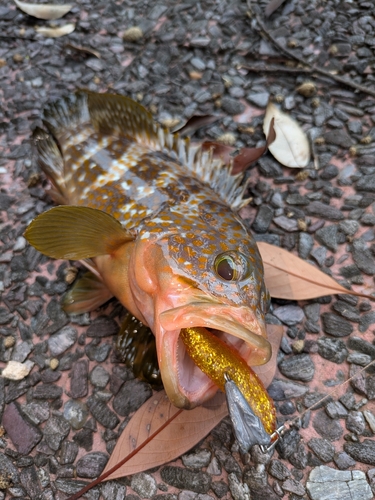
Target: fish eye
230	266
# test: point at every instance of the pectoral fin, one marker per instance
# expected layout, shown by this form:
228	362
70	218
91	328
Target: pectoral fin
87	294
69	232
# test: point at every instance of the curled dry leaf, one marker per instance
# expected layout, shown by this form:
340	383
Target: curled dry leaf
291	146
83	50
46	11
182	433
193	124
289	277
56	32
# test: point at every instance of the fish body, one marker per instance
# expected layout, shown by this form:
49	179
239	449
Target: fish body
158	220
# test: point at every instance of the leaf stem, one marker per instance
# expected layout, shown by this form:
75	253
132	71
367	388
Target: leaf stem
124	460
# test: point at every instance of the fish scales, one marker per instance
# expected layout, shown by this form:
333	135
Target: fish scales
158	219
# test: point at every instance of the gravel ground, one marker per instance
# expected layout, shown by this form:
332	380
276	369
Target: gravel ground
61	422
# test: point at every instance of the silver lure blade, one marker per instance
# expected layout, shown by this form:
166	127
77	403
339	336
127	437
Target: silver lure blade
248	427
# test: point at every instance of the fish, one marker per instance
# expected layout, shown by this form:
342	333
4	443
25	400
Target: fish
155	220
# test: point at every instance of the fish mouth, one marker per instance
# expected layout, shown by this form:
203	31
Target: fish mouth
185	384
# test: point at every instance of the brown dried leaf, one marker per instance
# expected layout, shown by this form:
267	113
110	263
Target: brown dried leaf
56	32
289	277
193	124
185	431
44	11
84	50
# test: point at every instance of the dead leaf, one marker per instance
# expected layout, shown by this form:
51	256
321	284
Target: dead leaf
272	6
84	50
291	146
56	32
289	277
193	124
185	431
46	11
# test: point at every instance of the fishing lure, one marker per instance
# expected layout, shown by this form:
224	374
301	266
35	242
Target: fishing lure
155	221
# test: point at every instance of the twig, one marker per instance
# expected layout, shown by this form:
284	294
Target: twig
361	88
262	67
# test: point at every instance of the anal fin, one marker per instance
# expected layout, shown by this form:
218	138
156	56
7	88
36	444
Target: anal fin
87	294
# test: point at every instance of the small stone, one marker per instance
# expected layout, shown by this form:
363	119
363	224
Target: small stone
214	468
319	209
54	363
293	486
305	245
259	99
290	314
343	460
332	349
239	490
61	341
91	465
220	488
199	482
358	358
17	371
322	448
326	427
278	470
197	460
336	410
362	257
69	452
370	419
325	483
113	490
232	106
76	413
327	236
78	380
263	219
362	452
131	396
37	412
30	481
279	390
299	367
21	431
9	341
132	34
336	325
339	138
99	377
55	431
47	391
103	327
288	224
104	415
356	422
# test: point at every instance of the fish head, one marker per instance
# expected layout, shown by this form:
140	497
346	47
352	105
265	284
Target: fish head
202	277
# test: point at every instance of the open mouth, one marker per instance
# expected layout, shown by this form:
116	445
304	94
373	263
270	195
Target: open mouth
184	381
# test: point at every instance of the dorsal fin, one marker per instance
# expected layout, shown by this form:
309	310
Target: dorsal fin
119	115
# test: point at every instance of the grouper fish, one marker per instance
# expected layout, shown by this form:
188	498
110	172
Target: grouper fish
155	220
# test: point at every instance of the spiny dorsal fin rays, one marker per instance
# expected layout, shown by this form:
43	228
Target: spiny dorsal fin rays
69	232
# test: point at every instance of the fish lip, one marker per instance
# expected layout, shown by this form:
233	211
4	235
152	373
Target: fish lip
210	315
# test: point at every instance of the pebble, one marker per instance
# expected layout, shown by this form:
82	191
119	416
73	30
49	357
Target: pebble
335	409
359	359
21	431
197	460
361	345
362	257
131	396
79	379
362	452
293	486
113	490
263	219
76	413
332	349
47	391
327	236
232	106
322	448
62	341
55	431
69	452
305	245
370	419
280	390
239	490
286	223
214	467
290	314
356	422
103	414
92	465
319	209
259	99
298	367
325	483
21	351
343	460
336	325
102	327
278	470
220	488
319	254
326	427
199	482
17	371
99	377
